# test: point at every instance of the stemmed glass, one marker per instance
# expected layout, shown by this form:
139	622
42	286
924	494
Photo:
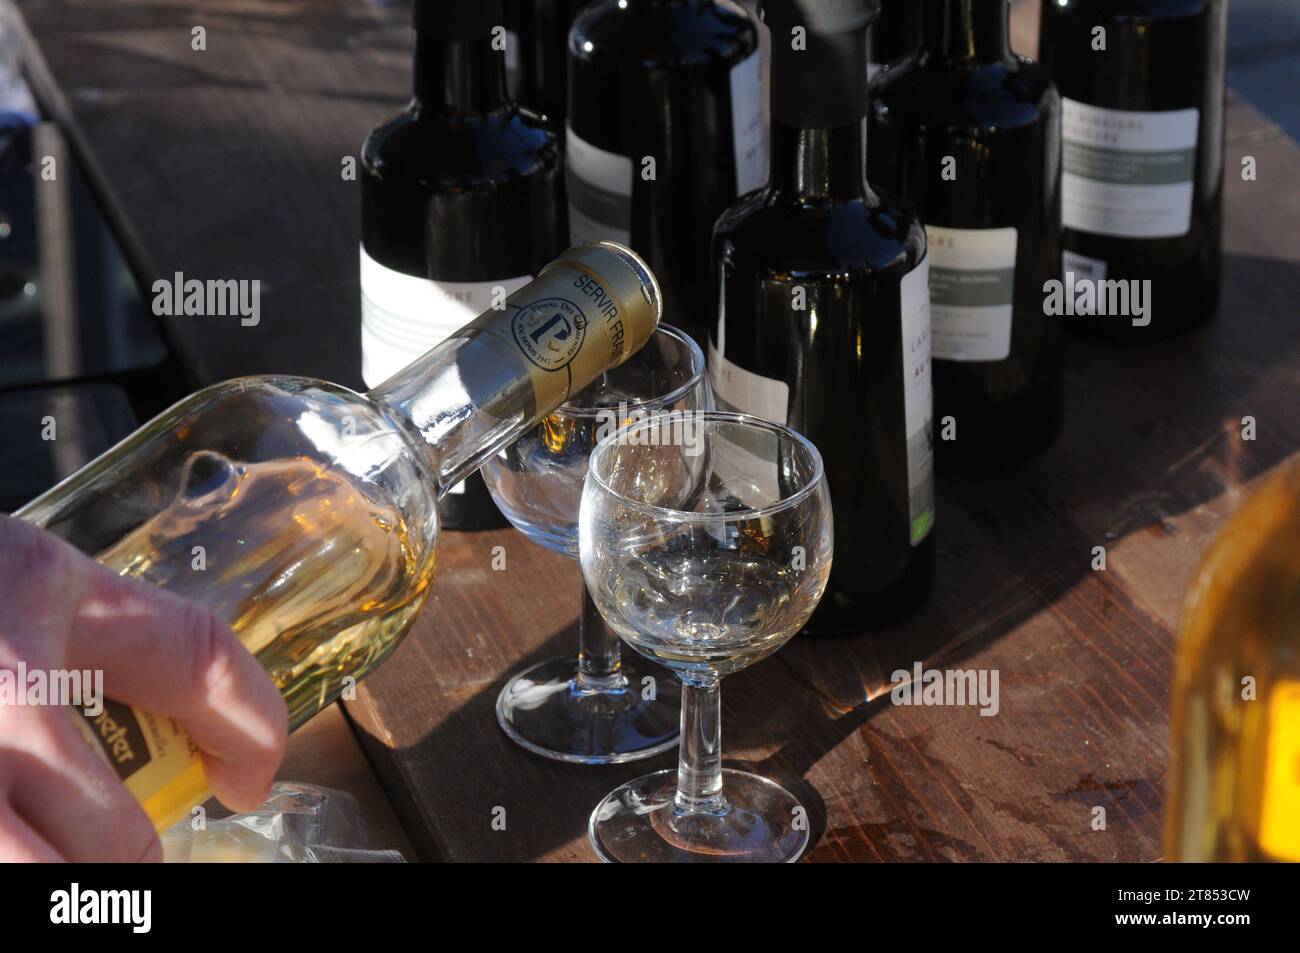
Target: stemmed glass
706	543
597	708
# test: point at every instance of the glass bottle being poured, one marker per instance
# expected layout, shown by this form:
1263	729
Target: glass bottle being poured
305	514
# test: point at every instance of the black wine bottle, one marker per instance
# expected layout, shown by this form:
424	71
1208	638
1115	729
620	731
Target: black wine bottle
461	203
1142	86
969	134
538	39
822	308
895	33
665	130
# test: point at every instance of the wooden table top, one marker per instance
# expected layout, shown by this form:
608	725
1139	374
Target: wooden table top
227	164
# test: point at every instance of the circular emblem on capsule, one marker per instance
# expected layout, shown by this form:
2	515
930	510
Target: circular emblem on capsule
550	332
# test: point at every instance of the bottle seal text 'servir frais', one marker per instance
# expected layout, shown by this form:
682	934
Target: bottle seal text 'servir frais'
969	134
304	514
1143	86
822	315
462	202
665	129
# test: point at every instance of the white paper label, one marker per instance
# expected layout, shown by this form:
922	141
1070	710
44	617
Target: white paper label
403	316
737	389
600	192
1128	174
918	398
1081	270
972	288
747	124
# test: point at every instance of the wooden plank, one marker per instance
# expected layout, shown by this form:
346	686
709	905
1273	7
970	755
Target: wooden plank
227	163
229	160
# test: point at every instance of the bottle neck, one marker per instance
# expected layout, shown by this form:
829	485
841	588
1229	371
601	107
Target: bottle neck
459	76
483	387
965	31
819	163
819	105
460	403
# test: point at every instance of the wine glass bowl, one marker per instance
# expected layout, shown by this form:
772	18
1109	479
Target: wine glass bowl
596	708
537	481
706	543
726	583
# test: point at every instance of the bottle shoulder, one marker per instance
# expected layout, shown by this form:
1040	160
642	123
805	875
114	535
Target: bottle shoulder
1006	95
1132	10
778	233
662	36
460	150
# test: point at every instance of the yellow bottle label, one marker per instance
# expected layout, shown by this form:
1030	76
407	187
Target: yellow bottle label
152	755
1279	810
589	310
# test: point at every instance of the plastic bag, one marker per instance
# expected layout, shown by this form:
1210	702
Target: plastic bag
298	824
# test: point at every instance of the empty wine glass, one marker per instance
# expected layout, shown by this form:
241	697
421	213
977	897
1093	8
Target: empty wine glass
706	541
596	708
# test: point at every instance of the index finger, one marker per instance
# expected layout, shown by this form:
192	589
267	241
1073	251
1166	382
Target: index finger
167	655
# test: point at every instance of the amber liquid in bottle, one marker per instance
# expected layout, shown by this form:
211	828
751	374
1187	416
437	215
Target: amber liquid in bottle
340	576
1234	793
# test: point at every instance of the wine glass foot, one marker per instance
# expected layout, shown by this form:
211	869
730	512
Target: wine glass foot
637	823
544	711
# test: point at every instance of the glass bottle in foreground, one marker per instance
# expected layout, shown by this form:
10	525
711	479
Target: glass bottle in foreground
305	513
1234	792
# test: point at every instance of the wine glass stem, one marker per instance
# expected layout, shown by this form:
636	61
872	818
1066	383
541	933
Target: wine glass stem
699	759
600	667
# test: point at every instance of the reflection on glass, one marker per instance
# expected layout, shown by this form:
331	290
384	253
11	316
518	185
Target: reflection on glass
706	544
596	708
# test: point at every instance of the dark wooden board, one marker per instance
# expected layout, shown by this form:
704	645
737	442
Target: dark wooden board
227	164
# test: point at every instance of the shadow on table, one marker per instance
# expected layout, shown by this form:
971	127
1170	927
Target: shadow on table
1152	433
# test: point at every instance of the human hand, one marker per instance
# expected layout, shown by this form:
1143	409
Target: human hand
60	610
